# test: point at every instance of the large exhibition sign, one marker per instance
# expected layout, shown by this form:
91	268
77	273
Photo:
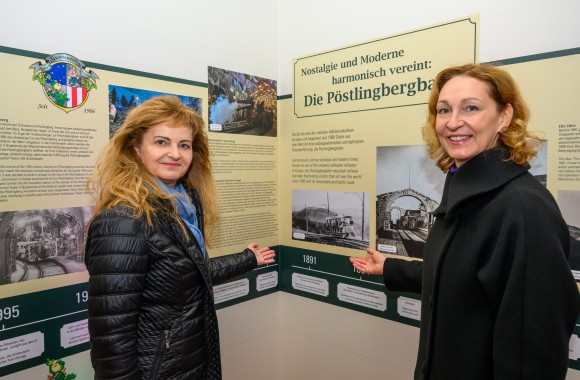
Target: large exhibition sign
394	71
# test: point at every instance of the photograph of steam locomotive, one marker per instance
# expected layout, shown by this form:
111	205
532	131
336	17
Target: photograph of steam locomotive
42	243
409	188
331	218
241	103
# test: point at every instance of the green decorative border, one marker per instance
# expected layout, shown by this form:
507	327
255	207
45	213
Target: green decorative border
536	57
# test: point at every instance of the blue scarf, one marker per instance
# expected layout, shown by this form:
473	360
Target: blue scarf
453	169
186	210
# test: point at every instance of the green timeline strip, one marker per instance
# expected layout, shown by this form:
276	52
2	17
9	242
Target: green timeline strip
332	279
316	275
261	281
32	325
306	273
35	326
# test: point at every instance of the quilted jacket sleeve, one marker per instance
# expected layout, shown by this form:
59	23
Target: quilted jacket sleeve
224	268
116	257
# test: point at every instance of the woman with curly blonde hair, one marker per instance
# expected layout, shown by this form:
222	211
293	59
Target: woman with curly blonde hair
498	297
151	308
504	91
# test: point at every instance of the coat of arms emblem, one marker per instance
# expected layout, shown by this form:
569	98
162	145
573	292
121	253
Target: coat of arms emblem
65	80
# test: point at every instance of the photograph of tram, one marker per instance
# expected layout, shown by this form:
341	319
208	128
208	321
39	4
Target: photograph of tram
331	218
36	244
409	188
241	103
339	226
569	203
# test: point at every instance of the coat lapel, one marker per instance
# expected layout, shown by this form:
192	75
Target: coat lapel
482	174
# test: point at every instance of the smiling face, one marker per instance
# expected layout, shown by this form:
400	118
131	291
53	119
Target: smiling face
166	152
468	120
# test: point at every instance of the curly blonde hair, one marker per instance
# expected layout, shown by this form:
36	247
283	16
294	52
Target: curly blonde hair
120	178
521	144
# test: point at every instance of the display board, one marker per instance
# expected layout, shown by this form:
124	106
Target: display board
351	107
352	132
62	111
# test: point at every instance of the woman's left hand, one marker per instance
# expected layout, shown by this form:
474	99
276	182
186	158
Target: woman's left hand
263	255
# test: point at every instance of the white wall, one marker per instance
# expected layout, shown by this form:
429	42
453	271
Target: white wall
509	29
177	38
250	339
281	333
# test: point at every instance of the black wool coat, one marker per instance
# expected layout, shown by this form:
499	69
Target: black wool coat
151	307
498	298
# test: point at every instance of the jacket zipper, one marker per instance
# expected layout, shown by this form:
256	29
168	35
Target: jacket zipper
163	346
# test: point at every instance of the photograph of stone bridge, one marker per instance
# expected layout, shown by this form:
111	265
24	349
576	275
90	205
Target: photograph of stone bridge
409	187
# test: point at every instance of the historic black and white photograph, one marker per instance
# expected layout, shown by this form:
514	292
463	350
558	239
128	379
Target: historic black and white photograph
569	203
409	189
331	217
41	243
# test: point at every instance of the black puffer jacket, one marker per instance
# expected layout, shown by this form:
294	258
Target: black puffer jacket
151	309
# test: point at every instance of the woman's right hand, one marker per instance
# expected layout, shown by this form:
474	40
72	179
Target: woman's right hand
263	255
371	264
